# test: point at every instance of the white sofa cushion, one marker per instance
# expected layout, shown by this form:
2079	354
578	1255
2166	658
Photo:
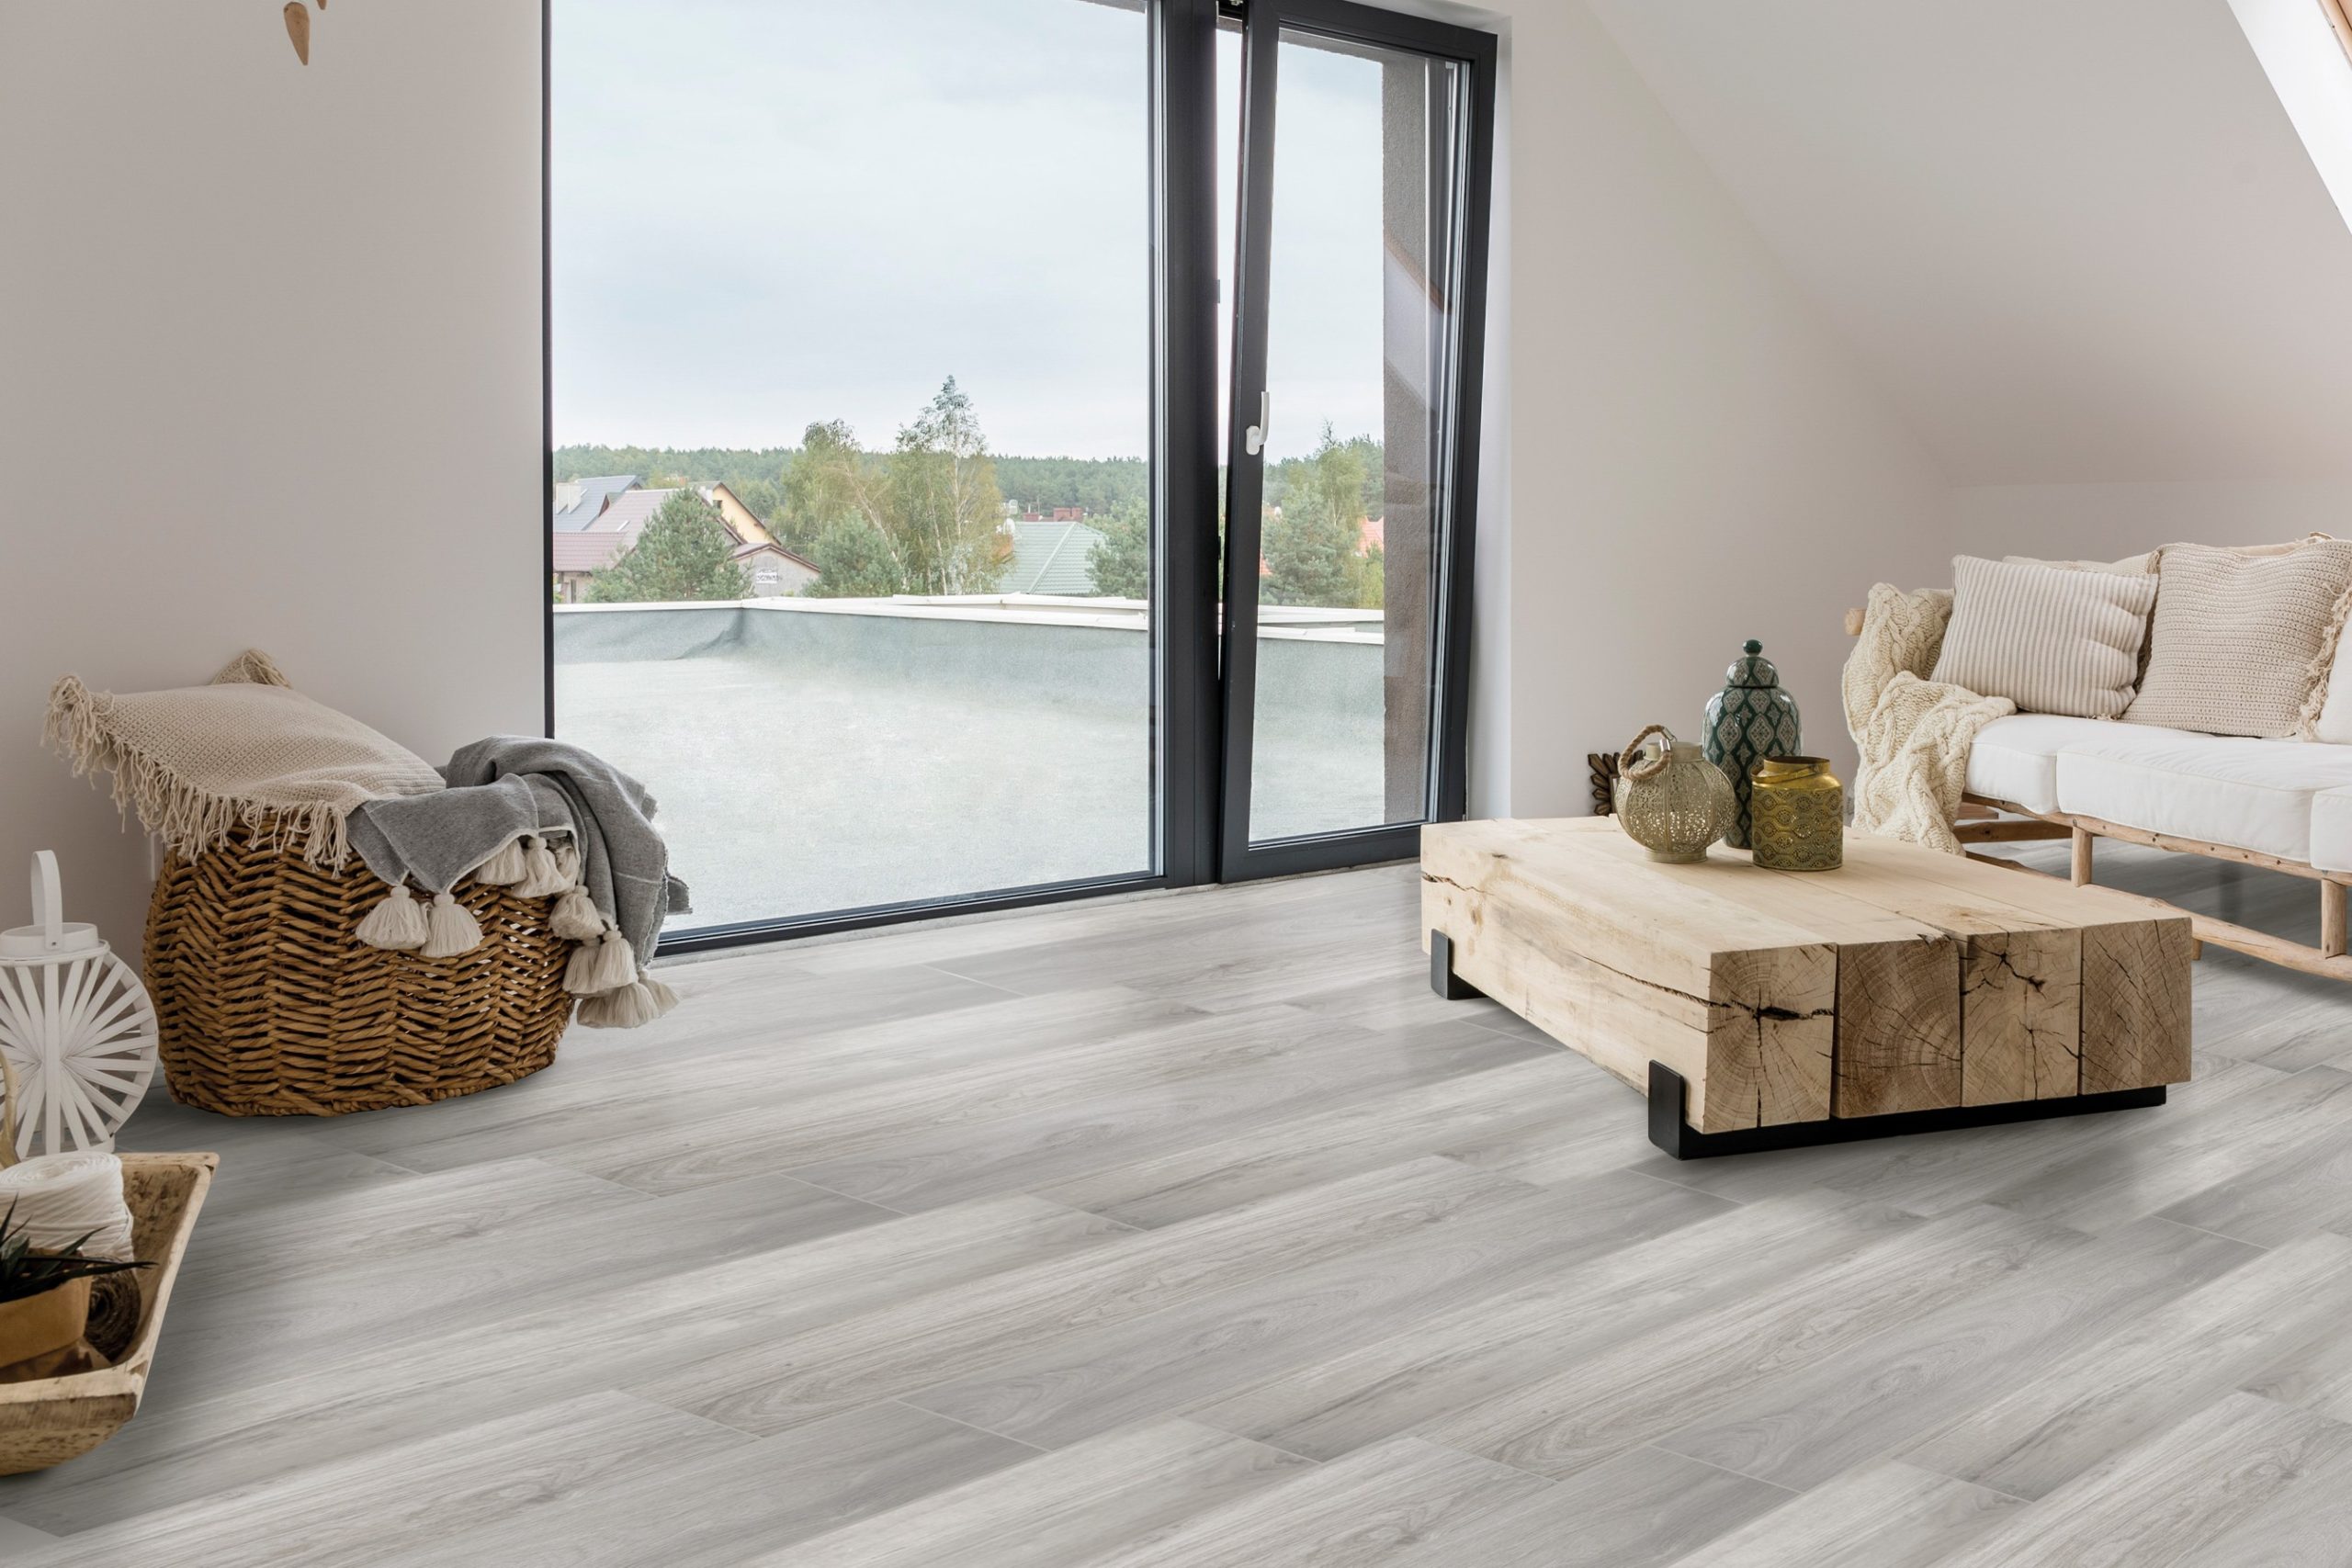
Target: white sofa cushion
2016	759
2332	829
2248	793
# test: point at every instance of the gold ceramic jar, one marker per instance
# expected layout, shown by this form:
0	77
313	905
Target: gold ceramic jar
1797	812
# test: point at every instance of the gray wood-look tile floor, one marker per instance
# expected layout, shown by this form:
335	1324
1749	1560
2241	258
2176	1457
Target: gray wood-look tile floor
1194	1231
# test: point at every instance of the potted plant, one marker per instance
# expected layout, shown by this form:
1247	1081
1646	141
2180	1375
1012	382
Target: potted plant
44	1296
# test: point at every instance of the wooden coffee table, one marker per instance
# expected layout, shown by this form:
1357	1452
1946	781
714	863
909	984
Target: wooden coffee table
1907	991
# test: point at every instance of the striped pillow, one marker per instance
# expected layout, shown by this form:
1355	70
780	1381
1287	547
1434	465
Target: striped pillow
2049	639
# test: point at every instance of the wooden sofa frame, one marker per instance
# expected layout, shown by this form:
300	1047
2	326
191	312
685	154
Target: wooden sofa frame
1980	825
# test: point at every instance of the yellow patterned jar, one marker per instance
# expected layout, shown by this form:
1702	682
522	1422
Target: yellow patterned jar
1797	810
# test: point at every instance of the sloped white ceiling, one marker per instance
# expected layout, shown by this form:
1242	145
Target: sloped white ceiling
2073	240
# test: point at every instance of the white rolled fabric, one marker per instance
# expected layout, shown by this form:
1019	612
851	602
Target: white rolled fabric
58	1198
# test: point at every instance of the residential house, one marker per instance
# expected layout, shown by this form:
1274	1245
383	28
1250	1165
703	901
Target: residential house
583	552
774	571
579	502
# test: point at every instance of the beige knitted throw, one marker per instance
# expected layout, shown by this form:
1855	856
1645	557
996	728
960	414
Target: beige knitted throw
1912	733
195	763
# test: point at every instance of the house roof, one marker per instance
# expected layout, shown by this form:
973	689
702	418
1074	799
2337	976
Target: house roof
617	528
1051	558
581	550
630	510
594	493
770	547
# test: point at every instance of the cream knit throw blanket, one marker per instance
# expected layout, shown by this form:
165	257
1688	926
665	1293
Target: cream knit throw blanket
195	763
1914	733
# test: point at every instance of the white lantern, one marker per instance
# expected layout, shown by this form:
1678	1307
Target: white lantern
75	1026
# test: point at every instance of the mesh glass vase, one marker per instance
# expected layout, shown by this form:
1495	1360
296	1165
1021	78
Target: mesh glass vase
1669	798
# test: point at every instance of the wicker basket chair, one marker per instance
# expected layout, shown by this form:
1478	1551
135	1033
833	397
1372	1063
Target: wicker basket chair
267	1005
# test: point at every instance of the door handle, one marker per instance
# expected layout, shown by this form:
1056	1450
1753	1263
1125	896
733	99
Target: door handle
1253	440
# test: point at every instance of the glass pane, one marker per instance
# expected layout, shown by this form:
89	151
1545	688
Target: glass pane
1360	326
852	405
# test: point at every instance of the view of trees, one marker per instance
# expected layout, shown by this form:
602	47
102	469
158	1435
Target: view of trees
1098	485
1121	564
684	552
753	476
1311	538
925	516
761	476
1370	471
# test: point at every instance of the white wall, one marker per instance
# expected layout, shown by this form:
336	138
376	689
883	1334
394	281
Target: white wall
2077	243
1696	457
270	376
2087	249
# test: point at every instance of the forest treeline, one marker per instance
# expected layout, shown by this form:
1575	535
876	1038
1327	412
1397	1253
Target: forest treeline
924	514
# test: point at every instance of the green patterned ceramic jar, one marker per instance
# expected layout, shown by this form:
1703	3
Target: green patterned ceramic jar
1797	815
1750	719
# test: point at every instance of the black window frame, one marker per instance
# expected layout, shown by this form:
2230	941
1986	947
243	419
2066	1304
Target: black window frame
1199	694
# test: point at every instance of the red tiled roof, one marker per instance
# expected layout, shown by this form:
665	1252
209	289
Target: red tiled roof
591	551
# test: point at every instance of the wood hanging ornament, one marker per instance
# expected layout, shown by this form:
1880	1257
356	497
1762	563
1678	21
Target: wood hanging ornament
297	28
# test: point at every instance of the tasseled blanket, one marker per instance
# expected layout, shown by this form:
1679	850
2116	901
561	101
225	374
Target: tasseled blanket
550	821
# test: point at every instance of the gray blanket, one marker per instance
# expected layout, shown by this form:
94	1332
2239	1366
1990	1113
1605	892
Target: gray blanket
510	786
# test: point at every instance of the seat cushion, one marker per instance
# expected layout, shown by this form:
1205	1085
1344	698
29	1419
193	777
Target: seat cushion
2016	759
2332	829
2248	793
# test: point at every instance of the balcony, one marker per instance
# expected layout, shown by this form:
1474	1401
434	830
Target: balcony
812	755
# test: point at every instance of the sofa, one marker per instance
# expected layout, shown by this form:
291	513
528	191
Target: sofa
2282	803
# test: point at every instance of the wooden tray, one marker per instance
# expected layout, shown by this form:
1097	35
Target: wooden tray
51	1420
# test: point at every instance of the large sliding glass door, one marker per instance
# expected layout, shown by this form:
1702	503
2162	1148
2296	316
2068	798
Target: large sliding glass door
891	348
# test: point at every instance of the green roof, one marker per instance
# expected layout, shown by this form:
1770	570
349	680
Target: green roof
1051	558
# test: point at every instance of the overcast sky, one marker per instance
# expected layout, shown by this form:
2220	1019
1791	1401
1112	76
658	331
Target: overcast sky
770	213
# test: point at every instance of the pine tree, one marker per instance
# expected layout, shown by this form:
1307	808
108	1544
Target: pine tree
1121	564
684	553
853	561
1310	553
1311	545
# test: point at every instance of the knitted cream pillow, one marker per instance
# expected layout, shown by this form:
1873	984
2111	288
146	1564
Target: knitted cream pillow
2241	644
2050	639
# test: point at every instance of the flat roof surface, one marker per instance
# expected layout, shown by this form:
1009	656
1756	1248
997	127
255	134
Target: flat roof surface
790	791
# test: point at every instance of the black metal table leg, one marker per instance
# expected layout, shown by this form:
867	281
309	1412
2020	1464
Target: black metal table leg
1671	1130
1443	979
